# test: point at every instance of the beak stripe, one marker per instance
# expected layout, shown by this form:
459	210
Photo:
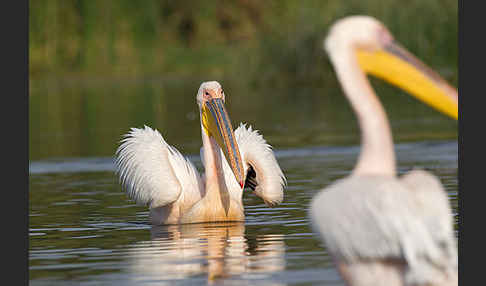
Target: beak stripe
218	112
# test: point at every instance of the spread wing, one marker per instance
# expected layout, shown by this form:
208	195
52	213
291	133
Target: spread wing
263	174
152	172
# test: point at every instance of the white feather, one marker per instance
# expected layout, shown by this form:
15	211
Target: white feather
436	214
152	172
256	152
360	219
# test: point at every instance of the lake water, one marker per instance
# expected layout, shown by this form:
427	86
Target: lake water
83	230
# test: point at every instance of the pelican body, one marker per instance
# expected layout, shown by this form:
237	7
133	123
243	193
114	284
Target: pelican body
379	228
154	173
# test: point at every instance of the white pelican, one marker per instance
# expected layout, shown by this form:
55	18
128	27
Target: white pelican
154	173
379	228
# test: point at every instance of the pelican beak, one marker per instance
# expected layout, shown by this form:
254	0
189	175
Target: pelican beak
396	65
217	123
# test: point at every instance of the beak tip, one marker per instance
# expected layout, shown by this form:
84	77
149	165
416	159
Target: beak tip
242	184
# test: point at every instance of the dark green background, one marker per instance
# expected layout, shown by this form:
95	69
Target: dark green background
98	68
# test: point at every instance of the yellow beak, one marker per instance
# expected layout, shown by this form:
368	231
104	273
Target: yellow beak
399	67
217	124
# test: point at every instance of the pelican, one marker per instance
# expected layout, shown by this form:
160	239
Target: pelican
381	229
155	174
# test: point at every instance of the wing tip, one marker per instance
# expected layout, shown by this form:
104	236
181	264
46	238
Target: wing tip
257	151
139	147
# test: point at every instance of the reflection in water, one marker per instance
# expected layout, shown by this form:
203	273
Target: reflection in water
218	250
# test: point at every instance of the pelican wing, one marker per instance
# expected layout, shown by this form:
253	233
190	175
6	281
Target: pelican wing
435	210
263	174
151	171
375	218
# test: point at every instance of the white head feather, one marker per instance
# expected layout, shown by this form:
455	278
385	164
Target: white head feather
354	31
214	85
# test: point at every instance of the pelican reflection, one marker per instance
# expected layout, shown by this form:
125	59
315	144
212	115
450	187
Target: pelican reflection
214	251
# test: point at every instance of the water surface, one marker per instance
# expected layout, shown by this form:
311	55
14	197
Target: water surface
84	230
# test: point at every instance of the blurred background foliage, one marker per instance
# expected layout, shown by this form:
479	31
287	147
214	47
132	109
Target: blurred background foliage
254	40
97	68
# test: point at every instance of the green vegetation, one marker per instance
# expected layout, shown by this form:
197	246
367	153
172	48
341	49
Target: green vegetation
98	68
256	41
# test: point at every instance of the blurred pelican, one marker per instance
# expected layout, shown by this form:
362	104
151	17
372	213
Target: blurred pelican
156	174
379	228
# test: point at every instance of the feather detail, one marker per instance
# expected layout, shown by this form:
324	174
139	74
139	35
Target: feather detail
263	174
151	171
251	181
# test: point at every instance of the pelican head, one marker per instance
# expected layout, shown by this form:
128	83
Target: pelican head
377	53
217	125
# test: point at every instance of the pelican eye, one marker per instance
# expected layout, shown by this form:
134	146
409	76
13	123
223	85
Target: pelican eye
207	93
